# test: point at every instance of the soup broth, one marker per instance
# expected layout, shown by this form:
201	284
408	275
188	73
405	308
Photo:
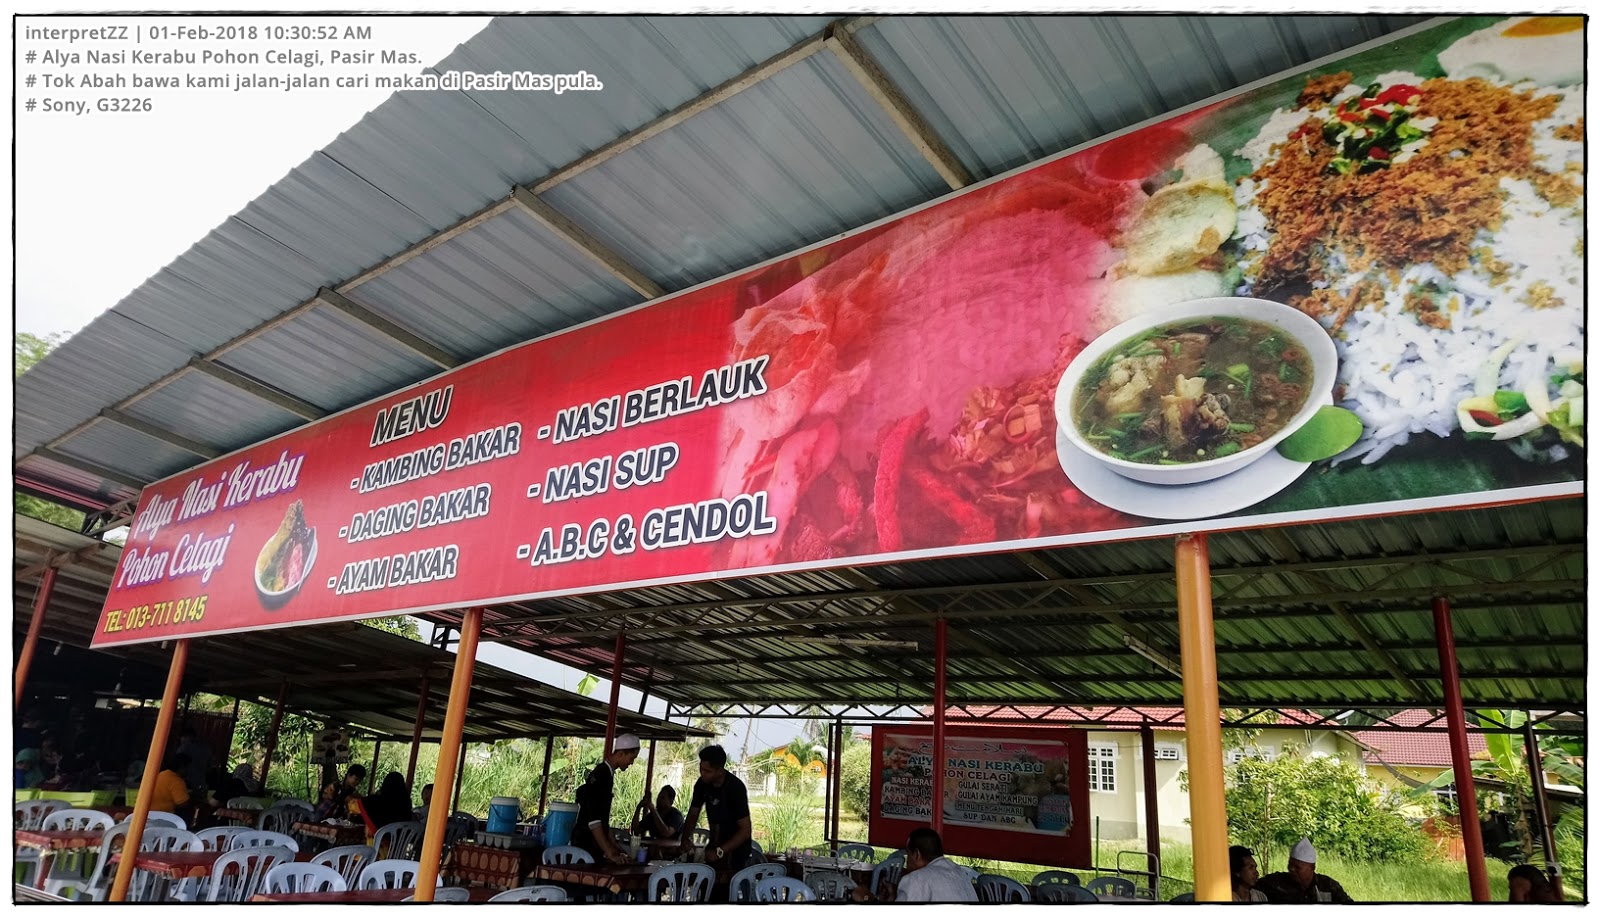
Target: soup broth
1192	390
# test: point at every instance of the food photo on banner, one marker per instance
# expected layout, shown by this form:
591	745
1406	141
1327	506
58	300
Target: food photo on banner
1019	795
1352	290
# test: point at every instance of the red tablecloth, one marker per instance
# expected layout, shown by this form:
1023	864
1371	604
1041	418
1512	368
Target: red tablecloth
49	843
367	896
246	817
495	867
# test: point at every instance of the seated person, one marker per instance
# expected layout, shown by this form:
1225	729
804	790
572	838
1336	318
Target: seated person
171	792
1529	886
390	804
28	773
327	802
1301	884
662	820
929	875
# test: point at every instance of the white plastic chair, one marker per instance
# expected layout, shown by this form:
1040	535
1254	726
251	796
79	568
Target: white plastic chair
1116	886
452	895
531	893
1056	877
31	813
830	885
96	886
783	890
681	882
290	878
245	802
1002	890
742	885
398	841
220	838
240	873
165	839
888	871
281	818
76	820
862	852
66	820
260	838
347	861
391	874
565	856
1062	893
164	820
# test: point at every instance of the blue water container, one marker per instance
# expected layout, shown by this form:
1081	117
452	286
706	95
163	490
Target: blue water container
558	824
503	814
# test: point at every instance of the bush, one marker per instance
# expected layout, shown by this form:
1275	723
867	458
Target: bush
855	780
791	818
1272	804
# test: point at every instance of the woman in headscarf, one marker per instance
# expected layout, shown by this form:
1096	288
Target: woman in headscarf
28	772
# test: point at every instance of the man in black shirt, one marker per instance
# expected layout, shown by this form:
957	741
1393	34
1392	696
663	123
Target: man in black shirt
593	830
727	807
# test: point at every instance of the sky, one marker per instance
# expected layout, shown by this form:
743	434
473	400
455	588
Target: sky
102	201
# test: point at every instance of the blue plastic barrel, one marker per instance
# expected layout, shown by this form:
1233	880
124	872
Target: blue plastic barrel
558	824
503	814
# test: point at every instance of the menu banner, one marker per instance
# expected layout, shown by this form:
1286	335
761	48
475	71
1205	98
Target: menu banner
1018	795
1181	328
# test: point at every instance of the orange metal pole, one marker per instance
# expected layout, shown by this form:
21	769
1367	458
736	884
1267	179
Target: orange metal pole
616	691
455	717
47	585
1460	760
152	768
1202	716
416	734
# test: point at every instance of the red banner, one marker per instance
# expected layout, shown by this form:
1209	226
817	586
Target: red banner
1110	344
1020	795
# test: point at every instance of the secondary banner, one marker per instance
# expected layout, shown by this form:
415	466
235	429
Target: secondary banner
1351	291
1018	795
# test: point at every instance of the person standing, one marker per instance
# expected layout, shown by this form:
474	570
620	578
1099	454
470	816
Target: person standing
727	806
1242	866
1302	884
593	830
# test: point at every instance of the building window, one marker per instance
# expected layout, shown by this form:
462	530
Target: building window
1448	801
1103	768
1235	755
1167	751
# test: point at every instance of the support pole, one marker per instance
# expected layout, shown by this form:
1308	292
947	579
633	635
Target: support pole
450	744
938	724
416	733
1152	817
544	779
272	734
649	768
1541	808
827	790
47	585
616	691
1460	760
1202	717
838	727
372	772
152	768
461	777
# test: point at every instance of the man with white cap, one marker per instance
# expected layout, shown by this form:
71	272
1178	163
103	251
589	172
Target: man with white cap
593	831
1302	884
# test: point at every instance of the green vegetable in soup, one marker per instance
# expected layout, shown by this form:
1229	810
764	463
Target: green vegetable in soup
1192	390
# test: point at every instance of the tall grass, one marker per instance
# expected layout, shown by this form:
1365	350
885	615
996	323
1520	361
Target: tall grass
789	820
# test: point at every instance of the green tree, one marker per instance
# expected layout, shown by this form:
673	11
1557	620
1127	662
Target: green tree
399	624
855	779
1273	803
30	349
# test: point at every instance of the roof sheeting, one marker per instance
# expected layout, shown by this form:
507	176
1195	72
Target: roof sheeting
347	673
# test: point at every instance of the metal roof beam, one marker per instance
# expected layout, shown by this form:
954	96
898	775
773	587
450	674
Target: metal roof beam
899	109
579	238
271	394
59	561
160	433
410	340
101	471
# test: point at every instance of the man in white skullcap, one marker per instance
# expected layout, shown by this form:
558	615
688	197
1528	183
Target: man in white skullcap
593	831
1302	884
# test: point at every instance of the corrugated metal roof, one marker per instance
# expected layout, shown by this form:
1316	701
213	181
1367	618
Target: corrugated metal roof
199	407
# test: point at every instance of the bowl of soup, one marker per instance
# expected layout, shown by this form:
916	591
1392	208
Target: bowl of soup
1195	391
